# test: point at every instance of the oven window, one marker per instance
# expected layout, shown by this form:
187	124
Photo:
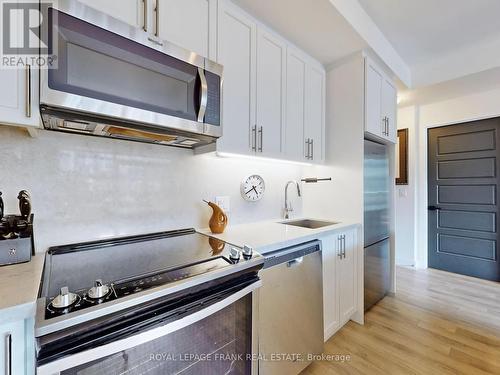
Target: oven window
218	344
99	64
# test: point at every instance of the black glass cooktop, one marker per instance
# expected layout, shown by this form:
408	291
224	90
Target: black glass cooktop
129	265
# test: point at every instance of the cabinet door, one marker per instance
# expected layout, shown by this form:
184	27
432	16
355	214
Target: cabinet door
389	108
347	276
373	91
271	67
188	23
130	11
315	112
19	103
236	52
295	147
19	94
330	253
12	347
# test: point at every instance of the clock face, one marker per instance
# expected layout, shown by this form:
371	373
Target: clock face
252	188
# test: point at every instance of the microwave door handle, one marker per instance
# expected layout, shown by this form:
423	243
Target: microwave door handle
143	337
204	95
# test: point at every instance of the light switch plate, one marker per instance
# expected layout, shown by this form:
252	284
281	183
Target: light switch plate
224	202
403	192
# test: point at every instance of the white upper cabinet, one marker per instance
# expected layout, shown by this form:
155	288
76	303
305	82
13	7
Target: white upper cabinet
130	11
389	108
295	142
381	103
305	108
19	94
236	51
315	113
271	86
19	103
273	94
373	90
189	24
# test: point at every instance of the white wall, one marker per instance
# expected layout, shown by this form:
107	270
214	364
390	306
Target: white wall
405	221
86	188
476	106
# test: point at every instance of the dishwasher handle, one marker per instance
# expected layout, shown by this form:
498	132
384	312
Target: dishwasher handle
294	262
291	256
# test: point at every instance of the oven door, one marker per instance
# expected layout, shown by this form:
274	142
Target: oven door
112	70
220	338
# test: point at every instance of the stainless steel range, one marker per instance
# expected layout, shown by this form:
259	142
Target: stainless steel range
160	303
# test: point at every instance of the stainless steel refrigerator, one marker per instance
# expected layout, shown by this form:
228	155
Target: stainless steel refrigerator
376	223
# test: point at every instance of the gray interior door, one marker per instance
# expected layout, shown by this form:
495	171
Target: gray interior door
463	179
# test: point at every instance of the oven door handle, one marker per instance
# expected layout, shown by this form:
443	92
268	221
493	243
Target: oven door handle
204	95
143	337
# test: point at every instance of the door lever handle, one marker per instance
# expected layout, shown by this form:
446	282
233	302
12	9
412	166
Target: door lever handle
433	208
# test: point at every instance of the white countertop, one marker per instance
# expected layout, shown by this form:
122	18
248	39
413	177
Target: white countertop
19	285
266	236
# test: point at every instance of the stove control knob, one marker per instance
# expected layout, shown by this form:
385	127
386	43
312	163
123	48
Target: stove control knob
234	254
64	299
99	290
247	251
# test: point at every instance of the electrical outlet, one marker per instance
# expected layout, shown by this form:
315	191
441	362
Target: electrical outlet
224	202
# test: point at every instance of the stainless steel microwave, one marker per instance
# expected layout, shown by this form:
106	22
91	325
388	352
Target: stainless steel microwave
118	81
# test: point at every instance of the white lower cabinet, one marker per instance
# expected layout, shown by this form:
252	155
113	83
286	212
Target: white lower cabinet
340	279
17	348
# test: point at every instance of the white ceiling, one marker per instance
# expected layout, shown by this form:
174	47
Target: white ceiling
440	39
313	25
479	82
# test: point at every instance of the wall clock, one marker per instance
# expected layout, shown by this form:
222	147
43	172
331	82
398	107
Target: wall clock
252	188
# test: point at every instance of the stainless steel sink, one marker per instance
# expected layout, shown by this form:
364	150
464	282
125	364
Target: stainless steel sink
308	223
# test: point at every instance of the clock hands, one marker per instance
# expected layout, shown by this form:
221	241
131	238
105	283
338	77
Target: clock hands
254	189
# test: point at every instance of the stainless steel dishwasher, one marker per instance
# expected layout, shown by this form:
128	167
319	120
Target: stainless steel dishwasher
291	309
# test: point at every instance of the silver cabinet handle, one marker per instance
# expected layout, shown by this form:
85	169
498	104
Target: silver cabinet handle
388	127
254	138
261	137
312	148
343	246
339	245
204	95
385	122
308	149
28	91
157	18
145	15
8	354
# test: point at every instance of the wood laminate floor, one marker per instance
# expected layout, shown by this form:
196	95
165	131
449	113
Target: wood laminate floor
438	323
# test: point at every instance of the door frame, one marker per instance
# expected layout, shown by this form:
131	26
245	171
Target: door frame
422	250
